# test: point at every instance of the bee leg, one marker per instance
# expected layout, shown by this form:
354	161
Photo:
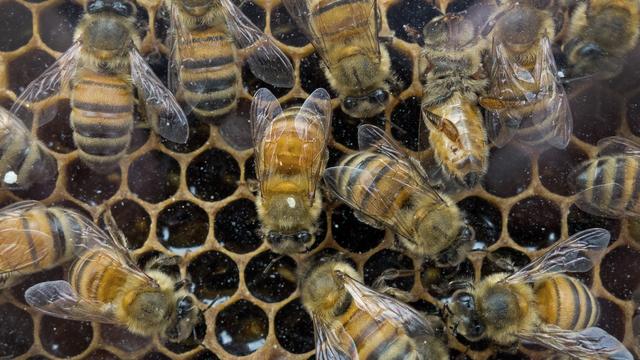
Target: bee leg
414	34
390	274
502	263
162	260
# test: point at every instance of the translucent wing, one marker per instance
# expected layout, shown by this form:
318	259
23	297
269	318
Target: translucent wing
163	111
264	109
590	343
332	341
358	19
617	145
58	299
385	308
51	81
574	254
177	35
266	60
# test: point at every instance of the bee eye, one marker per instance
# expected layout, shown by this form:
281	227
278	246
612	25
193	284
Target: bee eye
466	300
274	237
303	236
380	96
349	103
184	305
591	50
95	6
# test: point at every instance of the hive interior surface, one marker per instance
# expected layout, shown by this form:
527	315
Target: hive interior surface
193	200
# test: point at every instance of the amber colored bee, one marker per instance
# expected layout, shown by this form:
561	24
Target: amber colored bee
204	64
103	69
352	321
387	188
291	154
539	304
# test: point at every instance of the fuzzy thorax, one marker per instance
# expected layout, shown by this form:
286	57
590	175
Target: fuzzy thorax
321	290
357	74
147	311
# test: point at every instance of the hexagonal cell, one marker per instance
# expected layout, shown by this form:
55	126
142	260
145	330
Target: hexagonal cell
88	186
360	237
292	325
237	227
345	127
496	260
414	13
57	24
407	126
194	340
25	68
182	227
242	328
16	337
64	338
40	189
198	136
215	277
52	274
133	220
255	13
312	76
121	338
252	83
101	354
235	128
596	114
154	176
57	134
14	15
485	218
579	220
554	167
284	28
612	318
389	259
510	171
615	279
271	277
156	356
436	279
204	355
535	222
213	175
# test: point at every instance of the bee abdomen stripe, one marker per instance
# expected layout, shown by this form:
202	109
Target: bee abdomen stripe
208	85
575	302
392	348
336	4
116	129
214	104
102	108
214	62
618	200
212	38
26	225
103	84
635	186
59	240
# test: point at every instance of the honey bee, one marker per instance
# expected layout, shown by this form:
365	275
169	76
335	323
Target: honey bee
204	69
387	188
102	68
34	238
525	97
345	35
352	321
291	154
607	185
105	285
601	33
23	159
539	304
452	82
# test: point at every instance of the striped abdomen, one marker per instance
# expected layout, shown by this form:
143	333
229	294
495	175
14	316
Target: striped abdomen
610	184
43	238
26	158
101	118
566	302
209	74
377	340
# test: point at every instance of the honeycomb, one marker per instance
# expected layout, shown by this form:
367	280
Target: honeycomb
193	200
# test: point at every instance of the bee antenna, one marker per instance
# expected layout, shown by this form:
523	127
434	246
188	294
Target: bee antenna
272	263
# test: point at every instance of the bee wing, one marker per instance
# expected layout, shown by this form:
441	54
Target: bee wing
367	40
576	253
264	109
590	343
266	60
177	34
58	299
385	308
166	116
617	145
332	341
51	81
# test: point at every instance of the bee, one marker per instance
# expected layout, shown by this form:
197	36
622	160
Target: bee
23	159
345	35
452	82
352	321
102	69
607	185
105	285
34	238
539	304
525	96
387	188
291	154
601	33
204	69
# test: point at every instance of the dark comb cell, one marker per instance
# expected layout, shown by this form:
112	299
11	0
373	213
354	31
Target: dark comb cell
413	13
284	28
617	263
27	67
235	128
236	227
57	24
535	222
255	13
510	171
182	227
213	175
102	355
596	114
121	338
155	356
389	259
335	156
204	355
194	340
16	337
402	69
312	75
252	83
133	221
345	127
154	176
633	114
508	356
579	220
64	338
250	169
611	318
292	328
271	277
485	218
14	15
41	189
198	136
406	125
215	277
242	328
89	186
503	259
358	237
554	167
57	134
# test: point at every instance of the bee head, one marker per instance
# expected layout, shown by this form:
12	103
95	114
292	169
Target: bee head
295	242
451	31
196	7
366	106
589	58
185	317
465	319
117	7
521	27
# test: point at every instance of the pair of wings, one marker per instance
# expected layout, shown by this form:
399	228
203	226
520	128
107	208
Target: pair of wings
314	115
348	21
59	299
332	340
511	90
265	59
169	120
402	167
611	146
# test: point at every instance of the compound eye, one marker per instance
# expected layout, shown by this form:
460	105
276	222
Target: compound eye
95	6
349	103
184	305
274	237
380	96
303	236
466	300
591	50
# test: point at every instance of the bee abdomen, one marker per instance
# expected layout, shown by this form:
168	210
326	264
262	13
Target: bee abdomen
98	275
566	302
